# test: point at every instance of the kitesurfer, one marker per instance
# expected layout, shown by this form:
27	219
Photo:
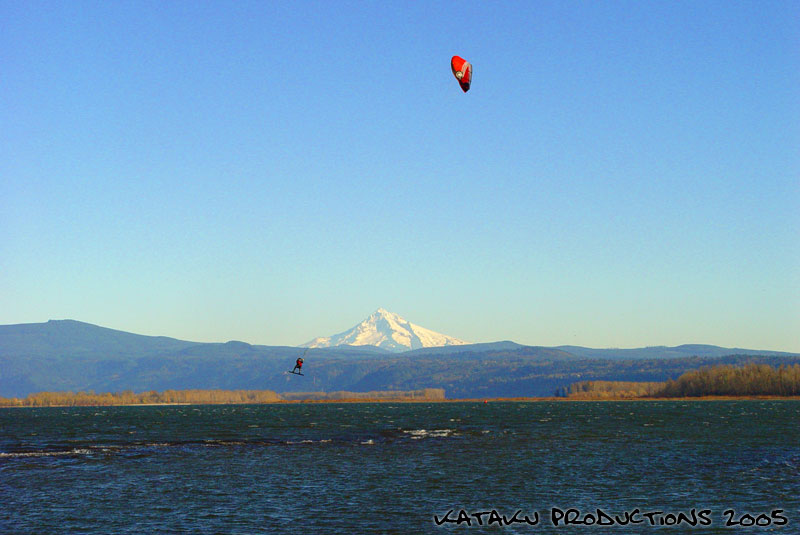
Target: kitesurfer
298	366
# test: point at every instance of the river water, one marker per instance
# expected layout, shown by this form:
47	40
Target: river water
501	467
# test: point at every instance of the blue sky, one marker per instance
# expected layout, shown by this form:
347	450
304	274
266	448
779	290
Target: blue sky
620	174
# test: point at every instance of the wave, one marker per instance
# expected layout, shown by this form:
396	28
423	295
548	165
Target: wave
15	454
417	434
144	448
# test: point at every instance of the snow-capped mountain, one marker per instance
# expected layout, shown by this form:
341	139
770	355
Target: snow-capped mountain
388	331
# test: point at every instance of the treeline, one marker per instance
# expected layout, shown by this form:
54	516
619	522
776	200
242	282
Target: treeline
750	380
611	390
198	397
720	380
88	399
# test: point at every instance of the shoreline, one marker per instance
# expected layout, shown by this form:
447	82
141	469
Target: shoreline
418	400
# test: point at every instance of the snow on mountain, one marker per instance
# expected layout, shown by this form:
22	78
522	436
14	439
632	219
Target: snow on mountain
388	331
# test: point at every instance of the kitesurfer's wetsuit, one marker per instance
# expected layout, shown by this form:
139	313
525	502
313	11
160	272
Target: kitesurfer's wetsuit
298	366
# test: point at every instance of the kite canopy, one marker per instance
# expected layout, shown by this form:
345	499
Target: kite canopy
462	70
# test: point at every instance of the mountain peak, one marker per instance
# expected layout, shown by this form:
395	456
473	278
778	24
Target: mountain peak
387	330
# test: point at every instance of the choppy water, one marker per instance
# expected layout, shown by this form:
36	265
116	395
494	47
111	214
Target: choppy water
396	468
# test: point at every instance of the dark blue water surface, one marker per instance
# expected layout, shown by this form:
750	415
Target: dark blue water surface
395	468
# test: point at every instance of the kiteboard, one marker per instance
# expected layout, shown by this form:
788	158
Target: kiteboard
296	373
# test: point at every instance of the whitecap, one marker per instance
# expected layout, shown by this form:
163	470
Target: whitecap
76	451
417	434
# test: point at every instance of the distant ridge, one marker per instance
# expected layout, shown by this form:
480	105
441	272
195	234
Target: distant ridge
505	345
70	338
664	352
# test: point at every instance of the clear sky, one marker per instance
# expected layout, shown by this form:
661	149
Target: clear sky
621	173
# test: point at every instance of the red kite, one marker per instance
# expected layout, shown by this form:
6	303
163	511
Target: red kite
462	70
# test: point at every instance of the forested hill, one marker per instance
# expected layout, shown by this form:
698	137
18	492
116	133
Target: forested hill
69	338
